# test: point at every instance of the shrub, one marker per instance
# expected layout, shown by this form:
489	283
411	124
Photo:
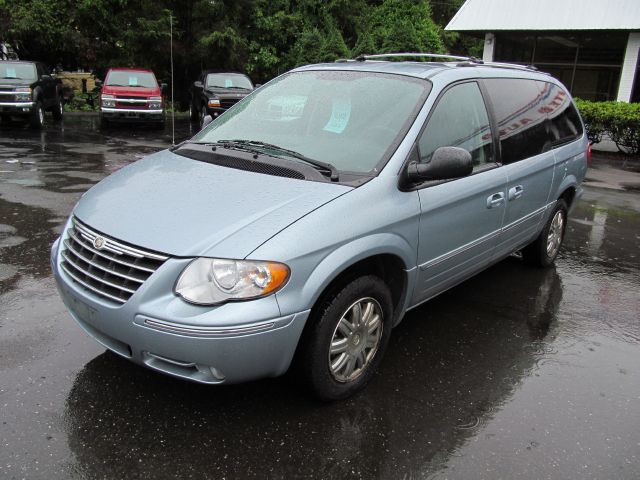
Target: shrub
82	102
619	120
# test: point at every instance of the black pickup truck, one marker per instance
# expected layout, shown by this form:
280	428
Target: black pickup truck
215	91
27	90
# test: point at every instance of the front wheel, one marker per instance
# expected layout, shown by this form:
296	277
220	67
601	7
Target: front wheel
37	115
203	113
58	109
544	250
193	113
347	338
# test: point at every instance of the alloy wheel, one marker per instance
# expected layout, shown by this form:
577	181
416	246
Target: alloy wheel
554	238
355	340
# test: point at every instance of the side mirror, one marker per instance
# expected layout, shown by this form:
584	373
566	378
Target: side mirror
446	163
98	83
257	85
206	121
197	84
163	88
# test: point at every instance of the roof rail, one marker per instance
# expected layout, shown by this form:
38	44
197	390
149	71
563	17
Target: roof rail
515	66
362	58
466	61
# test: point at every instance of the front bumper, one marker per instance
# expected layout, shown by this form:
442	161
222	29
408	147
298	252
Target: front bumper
216	111
132	114
16	108
230	343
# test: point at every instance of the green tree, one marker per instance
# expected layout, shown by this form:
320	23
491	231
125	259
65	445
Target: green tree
405	25
333	45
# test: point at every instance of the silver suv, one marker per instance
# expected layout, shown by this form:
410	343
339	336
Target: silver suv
303	223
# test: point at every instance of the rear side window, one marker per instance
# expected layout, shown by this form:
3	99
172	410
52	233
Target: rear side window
521	114
564	121
459	120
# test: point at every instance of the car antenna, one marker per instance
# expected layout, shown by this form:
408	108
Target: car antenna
173	109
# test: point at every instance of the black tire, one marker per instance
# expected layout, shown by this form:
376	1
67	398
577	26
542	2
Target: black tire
315	359
544	250
104	123
193	112
58	110
203	113
36	119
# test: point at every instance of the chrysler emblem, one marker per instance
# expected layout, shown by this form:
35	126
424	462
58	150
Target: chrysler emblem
98	242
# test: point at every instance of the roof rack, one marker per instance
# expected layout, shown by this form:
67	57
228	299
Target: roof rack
464	61
362	58
516	66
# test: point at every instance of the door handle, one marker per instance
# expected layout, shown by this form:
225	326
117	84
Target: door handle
495	200
515	192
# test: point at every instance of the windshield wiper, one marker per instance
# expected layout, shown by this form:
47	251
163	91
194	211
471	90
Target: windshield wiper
14	78
321	166
228	88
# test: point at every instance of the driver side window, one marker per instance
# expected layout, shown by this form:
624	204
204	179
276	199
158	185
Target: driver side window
459	120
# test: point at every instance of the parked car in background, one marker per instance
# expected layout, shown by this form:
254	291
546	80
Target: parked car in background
27	90
131	95
303	224
215	92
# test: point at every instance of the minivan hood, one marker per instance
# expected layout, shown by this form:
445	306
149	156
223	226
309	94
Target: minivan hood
184	207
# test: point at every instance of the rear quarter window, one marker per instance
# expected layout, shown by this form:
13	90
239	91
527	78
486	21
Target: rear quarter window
521	115
564	120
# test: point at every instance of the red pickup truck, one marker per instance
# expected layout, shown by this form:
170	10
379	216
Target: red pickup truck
131	95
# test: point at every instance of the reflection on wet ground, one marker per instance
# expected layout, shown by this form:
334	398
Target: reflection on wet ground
517	373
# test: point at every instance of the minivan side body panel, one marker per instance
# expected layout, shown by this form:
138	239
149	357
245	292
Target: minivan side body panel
381	219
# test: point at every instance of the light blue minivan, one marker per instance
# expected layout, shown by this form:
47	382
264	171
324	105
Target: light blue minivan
302	224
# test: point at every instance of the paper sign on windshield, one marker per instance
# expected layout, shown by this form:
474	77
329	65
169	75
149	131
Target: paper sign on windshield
11	73
340	113
133	81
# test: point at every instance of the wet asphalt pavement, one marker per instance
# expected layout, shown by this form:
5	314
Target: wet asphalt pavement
518	373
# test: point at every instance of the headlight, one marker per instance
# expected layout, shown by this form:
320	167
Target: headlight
23	94
214	102
155	102
108	101
208	281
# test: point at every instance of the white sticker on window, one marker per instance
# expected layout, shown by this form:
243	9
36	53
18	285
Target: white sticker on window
11	73
228	82
340	113
133	81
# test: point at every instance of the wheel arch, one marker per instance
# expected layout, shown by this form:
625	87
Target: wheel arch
568	195
387	256
37	93
390	267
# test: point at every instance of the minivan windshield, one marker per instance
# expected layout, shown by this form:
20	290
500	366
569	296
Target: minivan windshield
129	78
350	119
228	80
17	71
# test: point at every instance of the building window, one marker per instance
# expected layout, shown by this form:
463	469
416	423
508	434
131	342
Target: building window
588	63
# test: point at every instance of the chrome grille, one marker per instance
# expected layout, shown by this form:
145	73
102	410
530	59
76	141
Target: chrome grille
229	102
7	94
132	102
109	268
